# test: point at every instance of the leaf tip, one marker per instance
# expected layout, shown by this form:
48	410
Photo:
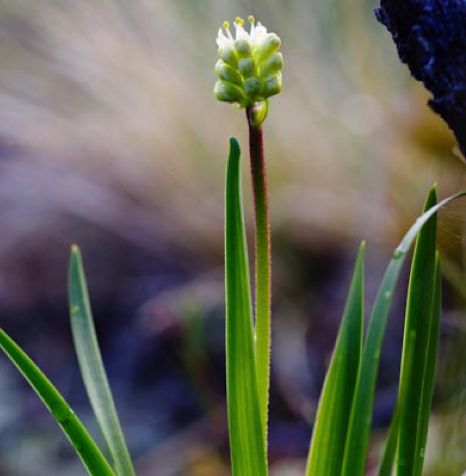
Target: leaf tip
74	249
234	146
431	199
75	262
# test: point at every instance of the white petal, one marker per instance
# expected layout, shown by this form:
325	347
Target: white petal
241	33
259	33
222	40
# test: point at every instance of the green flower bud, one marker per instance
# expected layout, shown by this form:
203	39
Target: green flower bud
228	55
272	85
273	65
249	69
228	92
243	48
246	67
252	87
226	73
267	47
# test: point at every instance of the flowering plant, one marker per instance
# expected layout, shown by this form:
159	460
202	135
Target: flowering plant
341	428
430	36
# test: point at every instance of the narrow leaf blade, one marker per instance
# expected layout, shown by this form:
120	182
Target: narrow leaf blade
415	345
429	373
90	454
328	440
92	367
248	457
388	457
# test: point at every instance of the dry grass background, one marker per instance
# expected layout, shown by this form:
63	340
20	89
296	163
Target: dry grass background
120	92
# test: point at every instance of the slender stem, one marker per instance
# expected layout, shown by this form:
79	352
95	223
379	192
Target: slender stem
263	269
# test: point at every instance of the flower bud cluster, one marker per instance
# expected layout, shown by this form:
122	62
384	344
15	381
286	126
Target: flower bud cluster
250	65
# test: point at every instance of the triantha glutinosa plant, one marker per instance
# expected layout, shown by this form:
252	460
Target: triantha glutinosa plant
249	62
249	72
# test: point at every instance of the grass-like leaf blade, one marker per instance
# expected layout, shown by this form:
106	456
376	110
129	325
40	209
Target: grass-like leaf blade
92	367
388	456
90	454
247	448
415	343
328	439
386	464
429	372
391	444
361	412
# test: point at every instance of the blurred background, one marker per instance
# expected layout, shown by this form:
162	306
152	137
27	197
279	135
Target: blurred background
110	137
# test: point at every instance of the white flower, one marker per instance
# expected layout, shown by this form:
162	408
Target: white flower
256	35
223	41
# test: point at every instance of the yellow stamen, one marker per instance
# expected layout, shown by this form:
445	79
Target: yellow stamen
239	21
251	19
226	25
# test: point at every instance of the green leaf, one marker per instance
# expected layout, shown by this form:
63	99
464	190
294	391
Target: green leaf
361	412
90	454
92	368
329	435
247	446
425	392
386	463
429	371
416	345
388	457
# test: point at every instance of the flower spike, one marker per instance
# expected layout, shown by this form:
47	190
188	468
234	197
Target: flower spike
249	70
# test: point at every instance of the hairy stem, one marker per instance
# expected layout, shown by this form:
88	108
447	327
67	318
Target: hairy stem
263	270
